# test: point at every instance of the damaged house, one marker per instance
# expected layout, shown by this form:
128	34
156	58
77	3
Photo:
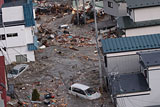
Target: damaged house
132	66
115	7
132	62
143	18
17	38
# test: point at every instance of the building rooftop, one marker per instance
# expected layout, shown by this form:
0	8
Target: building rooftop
11	3
125	44
132	84
125	22
105	24
142	3
149	59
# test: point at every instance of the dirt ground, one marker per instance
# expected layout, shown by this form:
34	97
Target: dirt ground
57	67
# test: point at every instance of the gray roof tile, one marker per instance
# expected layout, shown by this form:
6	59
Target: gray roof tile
151	58
126	22
142	3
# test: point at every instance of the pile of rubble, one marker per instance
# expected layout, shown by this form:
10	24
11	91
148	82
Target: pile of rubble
83	13
58	10
62	37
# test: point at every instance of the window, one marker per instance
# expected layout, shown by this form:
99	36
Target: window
12	35
14	71
82	92
110	4
2	37
79	91
90	91
21	58
21	69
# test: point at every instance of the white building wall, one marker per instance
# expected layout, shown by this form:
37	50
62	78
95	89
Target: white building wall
10	55
12	13
145	100
123	64
24	36
29	35
143	31
149	13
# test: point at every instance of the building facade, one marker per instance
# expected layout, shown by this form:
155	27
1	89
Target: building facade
3	98
132	70
17	38
115	7
142	18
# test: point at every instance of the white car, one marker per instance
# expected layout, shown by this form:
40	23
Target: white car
84	91
17	70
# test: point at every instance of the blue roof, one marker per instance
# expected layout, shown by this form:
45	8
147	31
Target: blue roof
115	45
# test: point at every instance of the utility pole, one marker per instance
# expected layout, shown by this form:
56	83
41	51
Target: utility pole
98	50
84	10
77	4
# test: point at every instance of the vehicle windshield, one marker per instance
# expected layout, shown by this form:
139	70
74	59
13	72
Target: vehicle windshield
14	71
90	91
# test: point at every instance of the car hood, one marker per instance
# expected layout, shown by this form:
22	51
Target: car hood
94	96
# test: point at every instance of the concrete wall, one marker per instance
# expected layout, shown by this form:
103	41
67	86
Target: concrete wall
122	9
145	100
10	55
143	31
144	14
111	11
123	64
12	13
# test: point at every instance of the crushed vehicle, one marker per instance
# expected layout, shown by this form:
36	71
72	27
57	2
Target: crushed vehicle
17	70
84	91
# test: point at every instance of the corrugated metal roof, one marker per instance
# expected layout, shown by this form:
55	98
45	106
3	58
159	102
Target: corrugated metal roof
142	3
115	45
